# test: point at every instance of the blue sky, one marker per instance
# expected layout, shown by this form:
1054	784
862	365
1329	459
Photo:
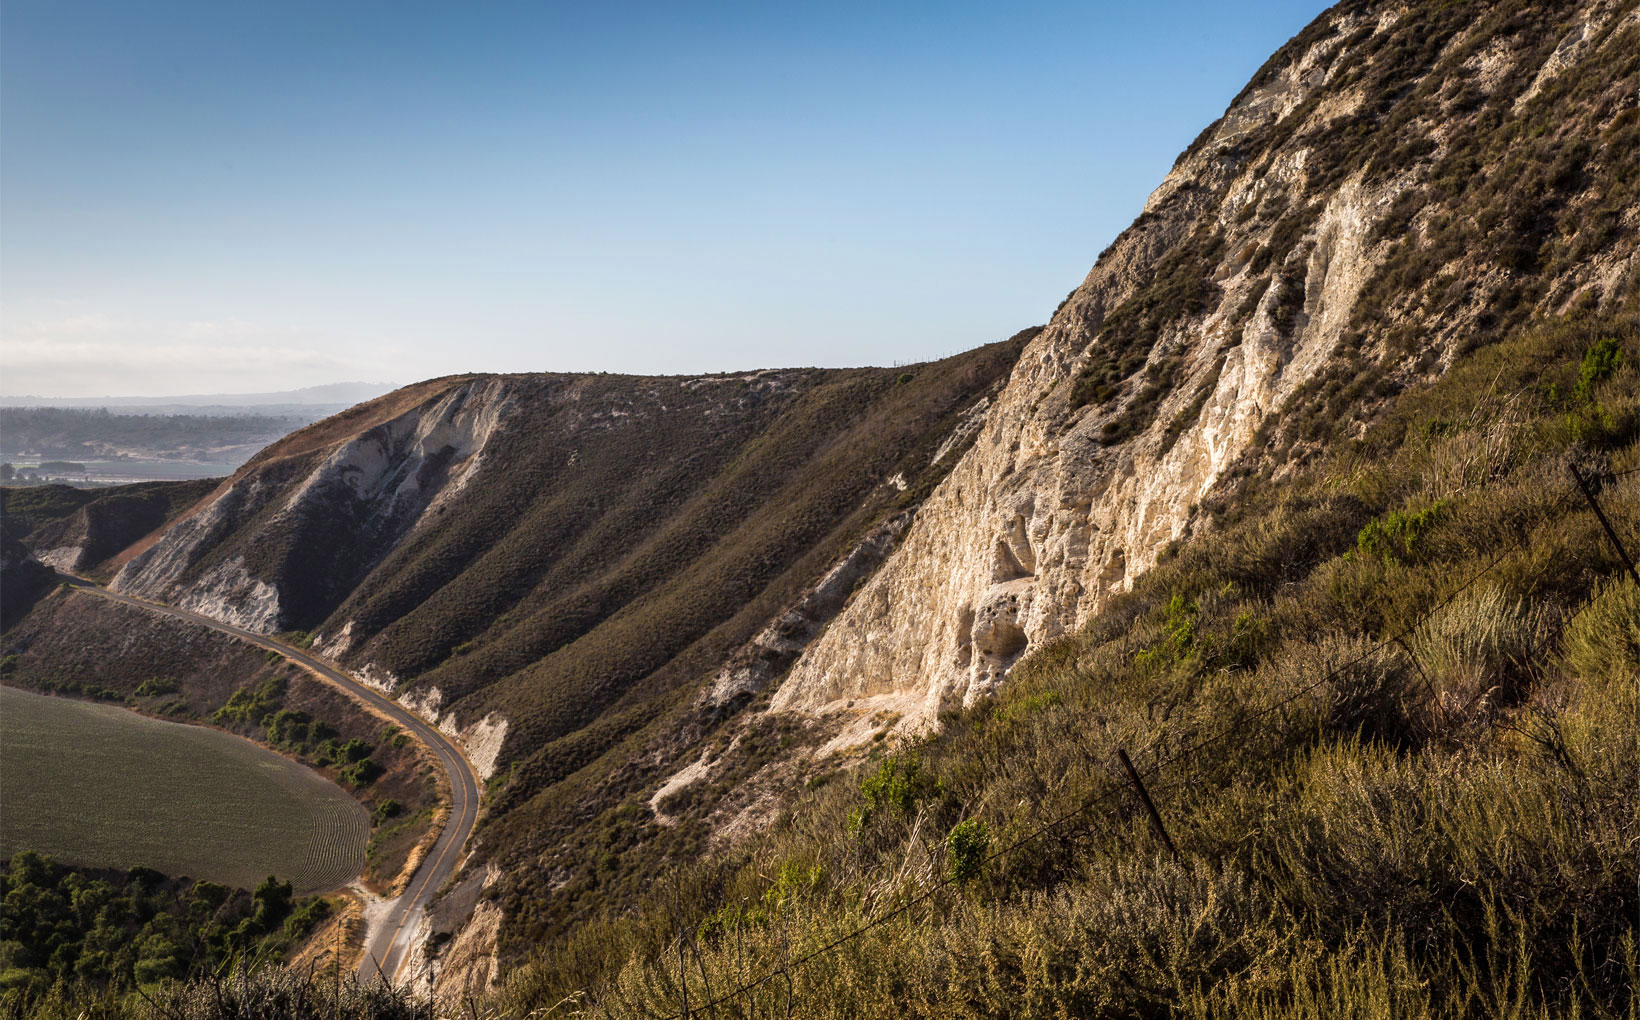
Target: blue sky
253	196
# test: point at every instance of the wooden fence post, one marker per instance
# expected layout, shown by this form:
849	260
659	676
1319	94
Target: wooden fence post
1611	532
1150	806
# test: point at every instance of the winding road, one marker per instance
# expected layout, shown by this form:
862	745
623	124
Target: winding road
387	943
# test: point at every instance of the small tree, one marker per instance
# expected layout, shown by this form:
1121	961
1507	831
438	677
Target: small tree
1599	364
966	846
273	901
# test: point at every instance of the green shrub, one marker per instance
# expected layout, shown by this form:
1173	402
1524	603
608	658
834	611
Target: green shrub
156	686
305	917
90	937
1395	537
361	773
966	847
1599	364
252	704
354	750
1178	644
898	784
288	728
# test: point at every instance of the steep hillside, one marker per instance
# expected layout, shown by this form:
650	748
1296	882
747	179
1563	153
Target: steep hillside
523	554
1397	187
1386	717
77	530
552	565
1279	501
1282	503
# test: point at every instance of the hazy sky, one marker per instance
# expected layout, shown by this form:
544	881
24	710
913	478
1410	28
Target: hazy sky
249	196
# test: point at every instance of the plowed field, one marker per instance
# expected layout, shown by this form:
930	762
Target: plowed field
99	786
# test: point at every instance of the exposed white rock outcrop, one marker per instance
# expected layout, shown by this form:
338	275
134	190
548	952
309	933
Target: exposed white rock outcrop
775	647
1045	519
1041	522
481	740
685	777
64	557
385	480
972	421
228	592
1574	45
454	954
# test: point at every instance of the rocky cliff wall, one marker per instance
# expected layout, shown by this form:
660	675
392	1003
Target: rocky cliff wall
1245	275
338	510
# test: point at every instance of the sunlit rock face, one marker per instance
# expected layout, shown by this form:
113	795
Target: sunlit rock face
316	520
1250	260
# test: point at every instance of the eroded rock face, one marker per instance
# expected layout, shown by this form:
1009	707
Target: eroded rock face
327	516
1043	521
1062	502
752	667
467	963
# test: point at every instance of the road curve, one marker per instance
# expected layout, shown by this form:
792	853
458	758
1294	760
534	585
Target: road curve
387	944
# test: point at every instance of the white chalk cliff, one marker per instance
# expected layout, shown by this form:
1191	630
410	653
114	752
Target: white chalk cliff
1043	521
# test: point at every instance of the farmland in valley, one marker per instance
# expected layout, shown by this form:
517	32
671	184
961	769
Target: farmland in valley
96	785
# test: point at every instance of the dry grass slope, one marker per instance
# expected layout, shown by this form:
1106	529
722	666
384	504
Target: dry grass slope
1399	773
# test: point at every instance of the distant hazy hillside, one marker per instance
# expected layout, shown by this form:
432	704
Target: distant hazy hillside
93	435
335	395
131	438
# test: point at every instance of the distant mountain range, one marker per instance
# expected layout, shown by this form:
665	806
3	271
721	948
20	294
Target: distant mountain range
332	395
127	439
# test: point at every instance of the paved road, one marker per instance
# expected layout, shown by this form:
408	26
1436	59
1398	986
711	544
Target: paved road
388	942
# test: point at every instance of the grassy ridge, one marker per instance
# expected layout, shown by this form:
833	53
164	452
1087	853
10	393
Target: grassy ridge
1395	698
643	529
610	547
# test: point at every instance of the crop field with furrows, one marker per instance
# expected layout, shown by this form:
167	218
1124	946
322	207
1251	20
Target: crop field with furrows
99	786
